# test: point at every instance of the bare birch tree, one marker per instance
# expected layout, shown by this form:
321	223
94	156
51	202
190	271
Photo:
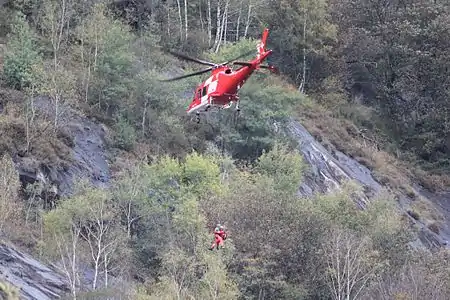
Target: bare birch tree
350	263
249	15
238	21
59	82
129	194
180	19
100	228
209	23
303	82
62	241
91	32
186	19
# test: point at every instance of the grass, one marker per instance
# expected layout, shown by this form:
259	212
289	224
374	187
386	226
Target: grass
427	211
343	135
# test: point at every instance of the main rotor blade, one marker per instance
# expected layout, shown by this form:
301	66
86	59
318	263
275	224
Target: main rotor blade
242	63
188	75
203	62
271	68
236	58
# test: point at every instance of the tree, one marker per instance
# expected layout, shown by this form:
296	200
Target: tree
351	264
285	166
101	230
86	228
188	268
62	227
300	31
57	81
22	54
10	207
106	56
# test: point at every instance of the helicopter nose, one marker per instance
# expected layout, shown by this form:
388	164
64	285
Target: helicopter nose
193	106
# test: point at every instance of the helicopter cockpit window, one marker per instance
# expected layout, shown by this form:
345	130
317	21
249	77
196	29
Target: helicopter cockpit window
204	91
199	94
228	71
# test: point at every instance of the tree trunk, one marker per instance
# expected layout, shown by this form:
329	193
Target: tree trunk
247	24
303	83
209	24
226	22
180	19
221	29
144	117
186	19
202	22
218	27
238	22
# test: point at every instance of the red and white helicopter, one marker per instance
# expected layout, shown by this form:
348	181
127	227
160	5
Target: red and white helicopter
221	89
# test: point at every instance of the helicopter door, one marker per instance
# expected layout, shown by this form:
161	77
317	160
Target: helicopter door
204	94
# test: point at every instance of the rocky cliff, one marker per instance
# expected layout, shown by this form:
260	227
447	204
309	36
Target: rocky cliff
89	155
33	279
329	170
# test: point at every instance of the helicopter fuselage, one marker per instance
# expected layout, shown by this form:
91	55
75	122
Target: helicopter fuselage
221	89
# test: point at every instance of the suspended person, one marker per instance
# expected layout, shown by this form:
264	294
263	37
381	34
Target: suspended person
219	236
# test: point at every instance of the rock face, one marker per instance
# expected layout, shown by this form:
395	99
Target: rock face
33	279
328	172
89	153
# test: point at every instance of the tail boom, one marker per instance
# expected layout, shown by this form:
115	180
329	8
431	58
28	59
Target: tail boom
263	43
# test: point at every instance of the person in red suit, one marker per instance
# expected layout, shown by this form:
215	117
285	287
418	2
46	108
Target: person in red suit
219	236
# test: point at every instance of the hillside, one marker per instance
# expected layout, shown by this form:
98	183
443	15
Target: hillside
334	174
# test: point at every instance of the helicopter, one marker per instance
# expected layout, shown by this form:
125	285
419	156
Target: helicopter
221	89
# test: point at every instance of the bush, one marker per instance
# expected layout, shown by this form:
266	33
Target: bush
21	54
125	134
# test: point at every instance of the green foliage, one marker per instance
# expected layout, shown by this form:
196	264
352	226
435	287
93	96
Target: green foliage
285	166
201	175
266	107
232	51
400	73
159	215
125	134
21	56
8	292
107	58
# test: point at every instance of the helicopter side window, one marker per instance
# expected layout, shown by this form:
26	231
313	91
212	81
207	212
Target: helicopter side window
204	90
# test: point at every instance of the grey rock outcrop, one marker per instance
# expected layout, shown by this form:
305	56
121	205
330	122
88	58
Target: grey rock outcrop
329	171
89	156
33	279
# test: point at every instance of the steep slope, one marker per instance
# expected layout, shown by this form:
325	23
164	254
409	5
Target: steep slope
89	161
88	153
328	171
33	279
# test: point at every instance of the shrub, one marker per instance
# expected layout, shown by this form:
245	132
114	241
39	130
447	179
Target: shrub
21	54
125	136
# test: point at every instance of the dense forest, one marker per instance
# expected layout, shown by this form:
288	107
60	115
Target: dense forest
368	78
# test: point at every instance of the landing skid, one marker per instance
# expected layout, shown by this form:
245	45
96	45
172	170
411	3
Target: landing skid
217	109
